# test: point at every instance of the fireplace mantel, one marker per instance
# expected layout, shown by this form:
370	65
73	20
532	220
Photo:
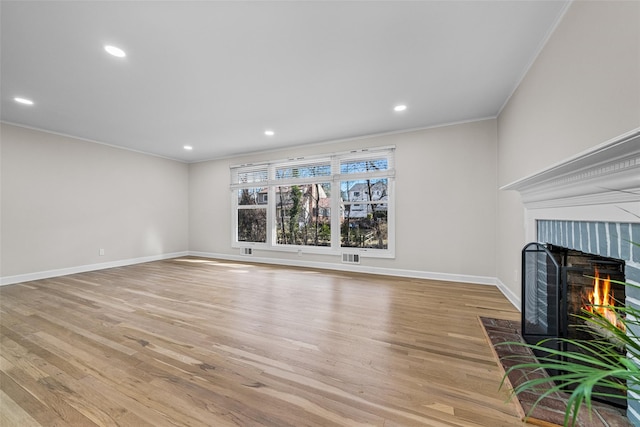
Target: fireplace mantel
608	173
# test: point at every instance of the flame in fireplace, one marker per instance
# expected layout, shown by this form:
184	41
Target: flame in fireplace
601	298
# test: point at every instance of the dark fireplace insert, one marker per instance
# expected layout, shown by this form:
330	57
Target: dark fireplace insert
558	284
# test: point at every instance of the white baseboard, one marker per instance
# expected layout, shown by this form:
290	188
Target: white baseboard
19	278
508	293
447	277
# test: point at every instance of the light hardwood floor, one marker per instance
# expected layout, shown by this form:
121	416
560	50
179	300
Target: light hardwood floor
194	342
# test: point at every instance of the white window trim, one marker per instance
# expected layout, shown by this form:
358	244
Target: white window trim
335	179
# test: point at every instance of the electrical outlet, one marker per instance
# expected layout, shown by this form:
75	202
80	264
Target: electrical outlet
101	252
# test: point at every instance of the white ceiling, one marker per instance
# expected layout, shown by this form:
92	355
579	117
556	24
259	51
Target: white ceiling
216	75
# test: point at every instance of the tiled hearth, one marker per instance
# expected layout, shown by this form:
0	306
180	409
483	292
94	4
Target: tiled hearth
550	411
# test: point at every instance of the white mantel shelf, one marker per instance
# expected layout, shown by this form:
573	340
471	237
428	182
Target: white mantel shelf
608	173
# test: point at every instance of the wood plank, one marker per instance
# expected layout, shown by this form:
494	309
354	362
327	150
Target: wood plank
195	341
11	414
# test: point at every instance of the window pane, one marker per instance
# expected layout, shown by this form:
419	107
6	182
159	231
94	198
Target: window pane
252	225
303	214
359	166
364	215
252	196
308	171
367	229
247	176
365	190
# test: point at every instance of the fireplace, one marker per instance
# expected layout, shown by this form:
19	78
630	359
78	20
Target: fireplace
589	203
559	285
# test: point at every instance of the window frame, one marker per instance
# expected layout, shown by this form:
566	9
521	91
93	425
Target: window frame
264	175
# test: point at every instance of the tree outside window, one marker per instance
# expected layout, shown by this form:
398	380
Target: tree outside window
252	217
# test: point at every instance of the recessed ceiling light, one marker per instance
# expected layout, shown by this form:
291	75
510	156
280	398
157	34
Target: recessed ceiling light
24	101
269	132
115	51
399	108
188	147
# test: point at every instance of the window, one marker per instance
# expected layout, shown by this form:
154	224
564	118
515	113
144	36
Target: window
301	188
297	215
252	218
250	213
365	199
323	204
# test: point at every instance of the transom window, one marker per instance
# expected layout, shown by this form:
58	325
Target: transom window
337	203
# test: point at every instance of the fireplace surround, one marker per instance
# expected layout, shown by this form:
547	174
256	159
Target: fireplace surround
591	203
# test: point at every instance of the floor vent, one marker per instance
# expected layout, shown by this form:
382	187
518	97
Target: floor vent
246	251
351	258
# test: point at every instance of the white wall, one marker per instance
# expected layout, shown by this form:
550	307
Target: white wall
63	199
446	201
583	90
